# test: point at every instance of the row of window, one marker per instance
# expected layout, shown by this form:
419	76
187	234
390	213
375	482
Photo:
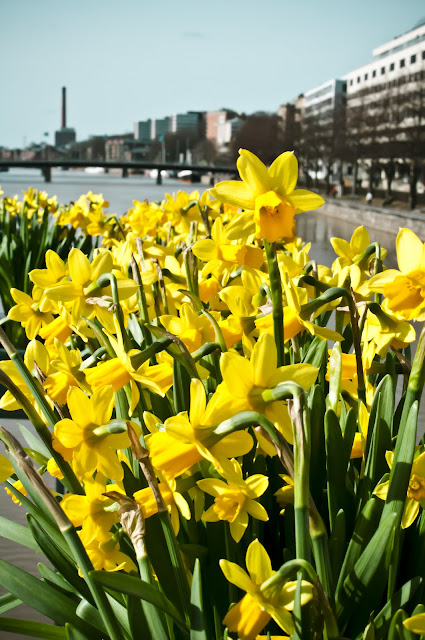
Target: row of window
413	59
411	77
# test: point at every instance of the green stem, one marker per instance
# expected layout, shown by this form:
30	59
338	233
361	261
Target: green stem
276	291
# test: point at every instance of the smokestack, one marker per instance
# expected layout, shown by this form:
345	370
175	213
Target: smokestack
63	107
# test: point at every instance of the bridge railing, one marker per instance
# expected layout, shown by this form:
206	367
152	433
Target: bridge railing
46	166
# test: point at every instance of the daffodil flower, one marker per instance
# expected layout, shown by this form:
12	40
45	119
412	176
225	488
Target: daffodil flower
173	500
33	312
404	290
185	439
235	499
244	382
222	256
251	614
268	194
92	511
104	553
93	443
416	490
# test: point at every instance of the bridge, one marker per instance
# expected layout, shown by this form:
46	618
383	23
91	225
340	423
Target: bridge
46	166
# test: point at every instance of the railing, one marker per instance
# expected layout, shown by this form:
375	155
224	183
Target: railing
46	166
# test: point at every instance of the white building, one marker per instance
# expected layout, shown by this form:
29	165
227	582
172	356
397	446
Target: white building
397	62
325	98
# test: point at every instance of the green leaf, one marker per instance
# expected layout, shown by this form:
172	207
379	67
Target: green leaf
369	564
55	579
317	408
38	595
8	602
18	533
197	622
136	587
34	629
399	600
337	458
91	614
381	427
34	442
317	352
337	544
72	633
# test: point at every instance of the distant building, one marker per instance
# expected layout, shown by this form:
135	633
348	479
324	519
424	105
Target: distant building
64	137
159	127
119	147
215	120
325	98
142	131
191	122
399	62
226	130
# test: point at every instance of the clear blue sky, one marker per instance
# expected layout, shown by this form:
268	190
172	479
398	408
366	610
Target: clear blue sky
128	60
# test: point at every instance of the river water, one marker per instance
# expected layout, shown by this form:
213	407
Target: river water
313	227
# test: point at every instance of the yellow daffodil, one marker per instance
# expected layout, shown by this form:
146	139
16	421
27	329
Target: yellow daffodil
104	553
404	290
87	434
222	257
174	501
251	614
185	438
6	469
234	499
92	511
383	330
33	312
244	382
293	321
416	490
269	194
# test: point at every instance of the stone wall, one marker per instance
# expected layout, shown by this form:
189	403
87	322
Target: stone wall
374	217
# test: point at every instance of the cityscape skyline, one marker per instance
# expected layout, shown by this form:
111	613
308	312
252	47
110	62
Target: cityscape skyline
33	109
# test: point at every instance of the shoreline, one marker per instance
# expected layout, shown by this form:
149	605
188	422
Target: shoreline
372	217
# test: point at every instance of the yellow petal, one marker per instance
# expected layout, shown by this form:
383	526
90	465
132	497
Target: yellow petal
247	618
264	359
80	407
409	250
234	192
237	374
416	623
411	510
304	200
205	250
236	575
68	433
256	510
257	485
102	403
6	468
359	240
258	563
79	267
198	402
284	173
238	526
253	172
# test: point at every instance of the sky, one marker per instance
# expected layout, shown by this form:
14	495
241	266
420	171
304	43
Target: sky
129	60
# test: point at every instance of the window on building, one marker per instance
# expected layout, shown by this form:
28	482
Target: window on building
402	63
358	80
351	83
392	66
374	73
413	59
382	71
366	76
423	55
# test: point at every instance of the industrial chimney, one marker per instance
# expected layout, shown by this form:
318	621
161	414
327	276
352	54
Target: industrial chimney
65	135
63	107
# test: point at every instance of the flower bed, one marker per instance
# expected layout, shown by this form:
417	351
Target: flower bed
227	464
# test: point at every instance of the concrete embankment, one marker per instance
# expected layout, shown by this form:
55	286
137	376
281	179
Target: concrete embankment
387	220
